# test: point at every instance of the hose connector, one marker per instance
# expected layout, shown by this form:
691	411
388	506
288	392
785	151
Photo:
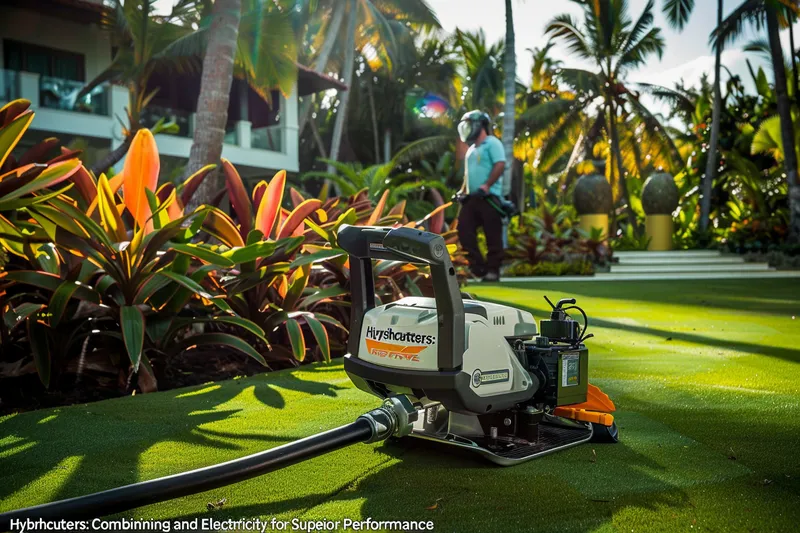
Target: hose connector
395	417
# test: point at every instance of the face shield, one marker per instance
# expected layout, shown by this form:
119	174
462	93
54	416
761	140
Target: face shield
467	130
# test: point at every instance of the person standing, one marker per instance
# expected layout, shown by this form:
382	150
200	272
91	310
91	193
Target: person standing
481	190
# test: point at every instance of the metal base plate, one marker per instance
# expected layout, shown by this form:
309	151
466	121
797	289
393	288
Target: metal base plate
505	451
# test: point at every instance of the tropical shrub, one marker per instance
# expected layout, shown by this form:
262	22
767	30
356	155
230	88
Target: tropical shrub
130	263
550	235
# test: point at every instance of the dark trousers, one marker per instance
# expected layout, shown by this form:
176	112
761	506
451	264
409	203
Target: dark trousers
477	213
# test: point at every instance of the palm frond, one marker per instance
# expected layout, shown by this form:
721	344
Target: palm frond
565	27
732	27
678	12
415	150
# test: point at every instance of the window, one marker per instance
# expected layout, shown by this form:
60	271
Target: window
44	61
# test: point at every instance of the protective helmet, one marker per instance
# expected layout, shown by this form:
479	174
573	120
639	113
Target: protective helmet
470	125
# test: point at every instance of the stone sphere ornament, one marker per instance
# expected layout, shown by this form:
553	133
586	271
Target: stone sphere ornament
592	195
660	194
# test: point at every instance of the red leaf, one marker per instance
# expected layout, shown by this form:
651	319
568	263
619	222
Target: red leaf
297	198
193	182
376	214
141	173
297	217
271	204
238	197
85	184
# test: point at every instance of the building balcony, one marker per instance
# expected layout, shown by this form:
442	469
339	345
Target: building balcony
59	111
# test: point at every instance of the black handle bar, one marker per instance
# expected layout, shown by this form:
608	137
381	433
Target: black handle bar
365	243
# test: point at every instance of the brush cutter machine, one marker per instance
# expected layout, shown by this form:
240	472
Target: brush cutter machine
473	375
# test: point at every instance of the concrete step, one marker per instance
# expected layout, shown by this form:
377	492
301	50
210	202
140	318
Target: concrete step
654	276
668	255
723	259
722	267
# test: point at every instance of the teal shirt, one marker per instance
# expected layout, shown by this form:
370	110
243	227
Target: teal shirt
480	160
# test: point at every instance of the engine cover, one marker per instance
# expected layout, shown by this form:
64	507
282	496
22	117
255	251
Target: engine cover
403	335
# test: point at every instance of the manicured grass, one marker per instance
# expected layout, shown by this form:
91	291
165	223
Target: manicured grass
705	375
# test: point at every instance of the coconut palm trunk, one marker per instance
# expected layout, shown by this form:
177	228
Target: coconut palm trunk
215	89
321	63
793	55
616	151
509	111
344	96
787	127
711	163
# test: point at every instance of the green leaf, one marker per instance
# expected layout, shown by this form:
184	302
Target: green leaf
318	256
11	205
251	252
17	315
38	338
412	287
321	335
132	321
203	253
11	134
52	175
327	319
221	339
50	282
60	299
328	292
296	339
196	288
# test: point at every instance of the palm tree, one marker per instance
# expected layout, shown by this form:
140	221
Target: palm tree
618	45
143	44
678	13
249	39
483	80
374	25
509	111
381	97
215	88
767	13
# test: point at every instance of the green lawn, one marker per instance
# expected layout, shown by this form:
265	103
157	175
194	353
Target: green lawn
705	375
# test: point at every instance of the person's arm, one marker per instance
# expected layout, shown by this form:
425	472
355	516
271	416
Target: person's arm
494	175
498	157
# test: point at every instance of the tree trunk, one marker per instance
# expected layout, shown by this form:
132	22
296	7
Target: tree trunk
616	151
711	162
113	157
344	97
375	137
318	139
795	76
387	145
321	63
212	104
787	127
509	110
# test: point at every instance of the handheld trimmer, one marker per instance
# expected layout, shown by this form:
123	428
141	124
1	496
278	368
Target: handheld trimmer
451	369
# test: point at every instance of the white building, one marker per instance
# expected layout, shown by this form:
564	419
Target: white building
51	48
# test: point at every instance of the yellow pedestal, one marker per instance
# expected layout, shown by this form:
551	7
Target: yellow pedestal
587	222
659	229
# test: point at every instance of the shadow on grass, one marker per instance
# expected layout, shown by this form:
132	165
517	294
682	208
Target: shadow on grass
786	354
126	428
462	492
766	296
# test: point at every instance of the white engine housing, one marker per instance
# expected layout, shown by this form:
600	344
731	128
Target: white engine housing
403	334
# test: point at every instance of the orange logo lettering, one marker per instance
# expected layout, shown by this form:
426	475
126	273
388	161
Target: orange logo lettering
394	351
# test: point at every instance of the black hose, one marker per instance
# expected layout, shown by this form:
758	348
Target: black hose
156	490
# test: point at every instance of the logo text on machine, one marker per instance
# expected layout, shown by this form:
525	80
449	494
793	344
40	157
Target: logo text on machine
398	336
377	345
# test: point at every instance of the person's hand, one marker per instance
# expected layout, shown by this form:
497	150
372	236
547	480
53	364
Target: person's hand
485	188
